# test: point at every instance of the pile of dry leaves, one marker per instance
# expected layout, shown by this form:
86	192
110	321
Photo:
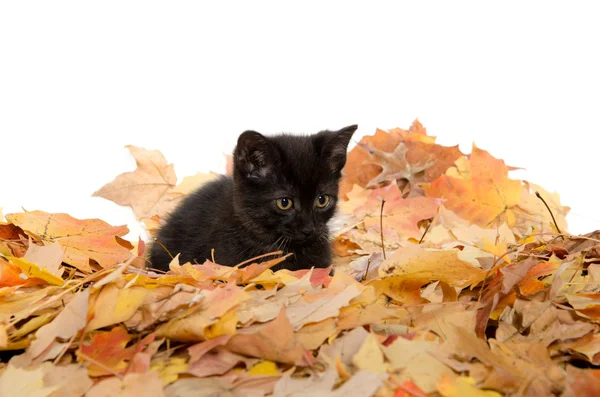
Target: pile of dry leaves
451	280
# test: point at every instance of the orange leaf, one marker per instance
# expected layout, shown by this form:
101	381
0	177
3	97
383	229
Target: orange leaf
273	341
530	284
487	196
10	274
83	239
359	173
399	214
108	349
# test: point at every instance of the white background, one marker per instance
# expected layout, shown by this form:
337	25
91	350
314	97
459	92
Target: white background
80	80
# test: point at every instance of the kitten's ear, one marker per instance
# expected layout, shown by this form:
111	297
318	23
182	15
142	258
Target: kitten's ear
254	155
336	146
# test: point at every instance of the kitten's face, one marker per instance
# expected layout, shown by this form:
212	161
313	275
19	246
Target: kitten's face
288	185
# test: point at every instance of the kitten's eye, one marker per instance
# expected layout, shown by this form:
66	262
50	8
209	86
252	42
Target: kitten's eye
284	204
322	201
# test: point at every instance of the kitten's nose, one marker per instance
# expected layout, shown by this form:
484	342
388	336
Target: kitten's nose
307	231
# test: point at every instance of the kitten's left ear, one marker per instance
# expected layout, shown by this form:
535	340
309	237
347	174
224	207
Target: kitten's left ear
336	146
254	155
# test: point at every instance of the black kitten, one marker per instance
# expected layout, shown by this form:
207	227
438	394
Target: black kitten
283	192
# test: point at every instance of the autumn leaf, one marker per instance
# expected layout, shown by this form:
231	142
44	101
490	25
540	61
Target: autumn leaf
33	271
273	341
462	387
416	263
144	188
487	196
459	287
399	214
23	382
83	240
151	190
131	385
114	305
106	352
66	324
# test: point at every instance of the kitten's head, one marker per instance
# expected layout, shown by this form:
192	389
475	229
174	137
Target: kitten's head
288	185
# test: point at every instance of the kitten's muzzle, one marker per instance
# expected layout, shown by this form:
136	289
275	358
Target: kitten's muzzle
304	234
307	231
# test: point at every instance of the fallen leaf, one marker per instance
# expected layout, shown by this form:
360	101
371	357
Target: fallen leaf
144	188
114	305
82	239
487	196
462	386
68	322
132	385
24	382
274	341
47	257
370	357
416	263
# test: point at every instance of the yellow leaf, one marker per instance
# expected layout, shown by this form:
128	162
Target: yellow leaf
417	263
226	325
463	386
264	368
32	325
370	356
486	196
269	279
33	271
24	382
115	305
169	370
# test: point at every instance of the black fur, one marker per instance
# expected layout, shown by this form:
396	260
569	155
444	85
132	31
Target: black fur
238	216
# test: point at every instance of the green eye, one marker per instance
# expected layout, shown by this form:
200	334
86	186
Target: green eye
284	204
322	201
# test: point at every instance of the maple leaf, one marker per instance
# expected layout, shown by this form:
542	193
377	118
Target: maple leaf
395	165
385	157
582	382
114	305
273	341
82	239
48	257
462	387
415	262
106	352
150	190
487	196
511	367
32	271
370	357
356	171
131	385
401	215
144	188
66	324
23	382
217	362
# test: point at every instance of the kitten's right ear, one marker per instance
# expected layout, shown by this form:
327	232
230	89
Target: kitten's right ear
253	154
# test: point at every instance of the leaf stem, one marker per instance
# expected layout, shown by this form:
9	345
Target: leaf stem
425	232
551	214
